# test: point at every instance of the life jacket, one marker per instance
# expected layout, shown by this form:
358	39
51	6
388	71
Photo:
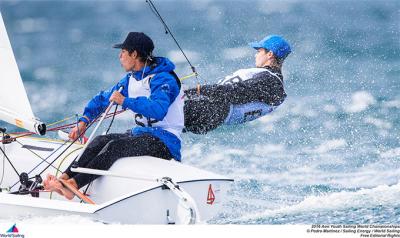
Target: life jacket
173	120
241	113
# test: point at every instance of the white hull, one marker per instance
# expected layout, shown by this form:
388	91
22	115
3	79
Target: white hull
118	199
25	161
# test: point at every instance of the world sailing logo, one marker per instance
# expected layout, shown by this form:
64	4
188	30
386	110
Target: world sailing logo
13	232
13	229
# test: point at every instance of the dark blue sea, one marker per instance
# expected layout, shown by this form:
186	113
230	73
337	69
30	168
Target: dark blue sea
329	154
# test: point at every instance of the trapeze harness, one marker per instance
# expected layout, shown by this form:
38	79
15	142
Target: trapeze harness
172	122
241	113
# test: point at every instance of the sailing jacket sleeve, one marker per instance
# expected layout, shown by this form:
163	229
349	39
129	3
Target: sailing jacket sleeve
262	87
163	91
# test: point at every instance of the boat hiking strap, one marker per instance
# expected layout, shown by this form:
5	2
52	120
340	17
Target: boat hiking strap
78	193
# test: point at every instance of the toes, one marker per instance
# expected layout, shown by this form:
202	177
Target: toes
46	185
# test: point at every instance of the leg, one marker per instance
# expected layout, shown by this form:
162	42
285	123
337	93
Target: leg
124	147
92	150
203	114
51	183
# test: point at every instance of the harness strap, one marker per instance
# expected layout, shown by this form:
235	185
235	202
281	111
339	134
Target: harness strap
139	123
178	81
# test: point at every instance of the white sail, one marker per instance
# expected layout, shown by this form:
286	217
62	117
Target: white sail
14	104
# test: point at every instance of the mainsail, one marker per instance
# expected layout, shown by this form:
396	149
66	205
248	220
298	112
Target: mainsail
14	103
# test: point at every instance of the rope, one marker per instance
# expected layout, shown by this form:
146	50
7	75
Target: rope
167	30
43	161
188	76
55	129
62	127
4	163
61	162
9	161
37	155
65	119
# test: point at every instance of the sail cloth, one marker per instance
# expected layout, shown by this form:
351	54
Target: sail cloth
14	103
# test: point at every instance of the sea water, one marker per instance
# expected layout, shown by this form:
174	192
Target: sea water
329	154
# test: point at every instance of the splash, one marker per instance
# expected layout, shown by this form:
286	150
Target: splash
360	101
383	195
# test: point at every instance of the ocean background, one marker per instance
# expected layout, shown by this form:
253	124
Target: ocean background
329	154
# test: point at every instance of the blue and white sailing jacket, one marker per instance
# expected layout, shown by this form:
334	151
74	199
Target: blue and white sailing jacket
155	99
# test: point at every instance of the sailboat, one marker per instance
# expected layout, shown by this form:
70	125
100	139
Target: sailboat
164	192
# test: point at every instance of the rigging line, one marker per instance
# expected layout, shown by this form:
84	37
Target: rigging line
57	128
86	189
61	162
155	11
77	126
13	138
51	163
82	133
9	161
71	125
4	163
66	126
62	120
112	119
109	127
43	160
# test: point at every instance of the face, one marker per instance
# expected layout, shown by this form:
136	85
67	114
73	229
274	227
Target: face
262	57
127	61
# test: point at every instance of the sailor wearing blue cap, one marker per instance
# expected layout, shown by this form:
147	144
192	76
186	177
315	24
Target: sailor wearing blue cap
273	44
243	96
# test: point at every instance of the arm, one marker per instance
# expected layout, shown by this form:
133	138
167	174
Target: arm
164	90
263	87
215	92
270	90
96	106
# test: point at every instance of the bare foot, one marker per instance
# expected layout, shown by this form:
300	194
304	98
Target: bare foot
48	184
52	184
65	191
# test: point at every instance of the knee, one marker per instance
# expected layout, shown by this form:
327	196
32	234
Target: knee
112	145
99	140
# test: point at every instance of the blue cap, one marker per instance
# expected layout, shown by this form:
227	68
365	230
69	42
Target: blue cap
279	46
